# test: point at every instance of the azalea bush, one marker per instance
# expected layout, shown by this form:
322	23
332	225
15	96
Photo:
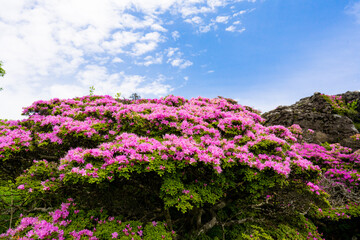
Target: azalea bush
355	137
341	107
96	167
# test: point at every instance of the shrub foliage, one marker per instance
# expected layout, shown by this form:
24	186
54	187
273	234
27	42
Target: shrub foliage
96	167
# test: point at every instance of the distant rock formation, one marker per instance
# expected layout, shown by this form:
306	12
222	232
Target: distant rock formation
334	119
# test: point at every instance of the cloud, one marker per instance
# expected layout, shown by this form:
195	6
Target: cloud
197	16
149	60
105	82
354	9
173	55
44	44
117	60
156	87
194	20
175	58
206	28
143	47
233	28
239	13
222	19
243	12
181	63
189	10
67	91
120	40
171	51
175	35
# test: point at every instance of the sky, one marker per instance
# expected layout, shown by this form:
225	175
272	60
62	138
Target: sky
262	53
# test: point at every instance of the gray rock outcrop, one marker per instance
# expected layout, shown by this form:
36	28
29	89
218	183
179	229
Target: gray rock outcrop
316	113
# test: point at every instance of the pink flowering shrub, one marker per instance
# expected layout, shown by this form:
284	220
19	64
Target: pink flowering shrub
341	107
356	137
167	168
66	222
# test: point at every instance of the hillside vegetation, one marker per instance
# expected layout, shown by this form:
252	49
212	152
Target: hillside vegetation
98	167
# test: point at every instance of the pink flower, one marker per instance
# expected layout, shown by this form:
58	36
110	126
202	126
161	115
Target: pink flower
21	187
186	191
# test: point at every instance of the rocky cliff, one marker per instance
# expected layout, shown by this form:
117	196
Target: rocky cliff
334	119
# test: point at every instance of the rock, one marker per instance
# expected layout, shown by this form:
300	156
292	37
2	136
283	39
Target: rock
315	112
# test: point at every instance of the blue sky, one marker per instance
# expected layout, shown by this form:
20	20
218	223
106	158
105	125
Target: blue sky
261	53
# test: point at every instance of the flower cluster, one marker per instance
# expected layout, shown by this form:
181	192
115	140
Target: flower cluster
13	137
192	153
338	162
339	106
356	137
61	227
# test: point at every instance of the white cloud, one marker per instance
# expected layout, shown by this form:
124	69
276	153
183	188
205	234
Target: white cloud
67	91
216	3
92	75
44	44
152	36
232	28
175	35
354	9
105	82
117	60
175	58
119	40
194	20
222	19
239	13
156	87
11	104
242	12
171	51
158	27
149	60
142	48
206	28
196	15
192	10
128	21
148	43
181	63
